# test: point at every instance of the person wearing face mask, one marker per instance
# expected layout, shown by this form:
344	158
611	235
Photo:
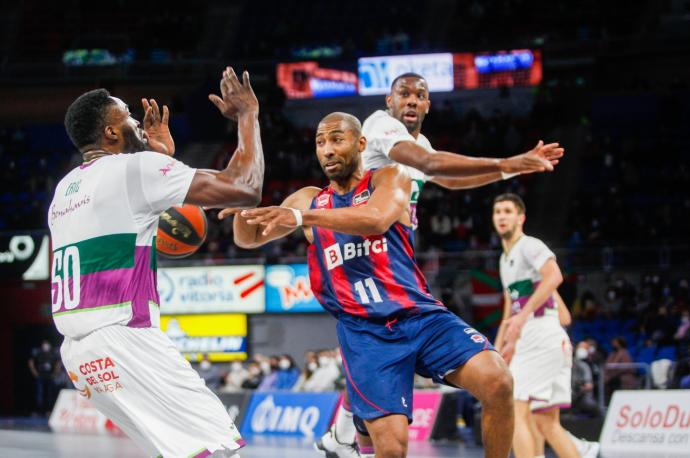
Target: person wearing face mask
255	375
210	373
44	365
288	373
270	370
325	376
583	383
235	377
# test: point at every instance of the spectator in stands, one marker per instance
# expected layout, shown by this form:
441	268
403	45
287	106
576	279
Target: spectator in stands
619	378
210	373
235	378
44	365
583	383
254	376
325	377
310	365
683	332
283	375
660	326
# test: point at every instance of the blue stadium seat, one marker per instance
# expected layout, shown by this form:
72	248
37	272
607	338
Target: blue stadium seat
666	352
646	355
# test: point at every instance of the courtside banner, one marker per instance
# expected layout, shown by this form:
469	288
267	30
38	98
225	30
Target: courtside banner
424	411
236	405
214	289
24	256
376	74
223	337
643	423
74	413
290	414
288	290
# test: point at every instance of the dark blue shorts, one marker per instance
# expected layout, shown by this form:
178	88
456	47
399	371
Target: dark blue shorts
380	358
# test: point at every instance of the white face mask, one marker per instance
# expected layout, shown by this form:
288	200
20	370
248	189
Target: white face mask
265	367
581	353
254	370
313	366
45	347
236	366
205	365
284	364
324	360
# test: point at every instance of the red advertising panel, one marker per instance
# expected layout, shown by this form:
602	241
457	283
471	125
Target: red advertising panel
518	67
305	80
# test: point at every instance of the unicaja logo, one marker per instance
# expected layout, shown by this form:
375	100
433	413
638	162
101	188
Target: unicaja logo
335	256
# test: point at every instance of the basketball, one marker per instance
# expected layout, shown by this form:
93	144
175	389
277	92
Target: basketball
181	231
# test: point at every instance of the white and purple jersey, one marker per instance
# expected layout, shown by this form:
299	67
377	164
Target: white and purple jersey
382	132
520	274
103	220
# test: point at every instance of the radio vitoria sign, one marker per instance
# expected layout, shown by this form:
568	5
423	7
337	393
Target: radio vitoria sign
24	256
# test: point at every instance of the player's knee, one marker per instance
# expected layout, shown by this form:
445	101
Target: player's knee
391	447
499	387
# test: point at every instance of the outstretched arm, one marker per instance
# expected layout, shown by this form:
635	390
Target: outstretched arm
467	182
444	164
386	205
240	183
251	236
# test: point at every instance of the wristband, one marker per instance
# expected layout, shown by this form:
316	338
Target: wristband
298	216
508	176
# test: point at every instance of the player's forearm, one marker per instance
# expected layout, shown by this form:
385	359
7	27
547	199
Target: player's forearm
544	291
468	182
245	235
246	167
363	220
500	336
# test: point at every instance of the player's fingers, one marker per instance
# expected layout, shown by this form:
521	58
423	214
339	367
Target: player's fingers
546	165
156	109
148	117
551	145
245	80
166	114
217	101
232	78
145	104
224	213
269	227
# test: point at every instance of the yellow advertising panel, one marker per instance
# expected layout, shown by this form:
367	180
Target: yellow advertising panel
223	336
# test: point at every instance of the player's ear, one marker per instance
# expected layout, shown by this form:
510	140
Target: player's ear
110	133
428	106
522	218
389	101
362	144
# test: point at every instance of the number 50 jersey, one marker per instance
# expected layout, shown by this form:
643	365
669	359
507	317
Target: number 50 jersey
372	277
103	220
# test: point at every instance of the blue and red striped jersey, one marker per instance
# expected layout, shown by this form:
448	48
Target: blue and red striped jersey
367	276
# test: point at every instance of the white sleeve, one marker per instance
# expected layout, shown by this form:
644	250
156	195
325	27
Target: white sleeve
537	253
385	132
156	182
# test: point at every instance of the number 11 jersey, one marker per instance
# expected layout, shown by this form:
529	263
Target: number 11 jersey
374	277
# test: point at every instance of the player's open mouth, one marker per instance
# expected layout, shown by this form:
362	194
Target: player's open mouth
410	116
330	166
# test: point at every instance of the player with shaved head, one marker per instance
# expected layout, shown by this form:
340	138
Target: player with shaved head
363	271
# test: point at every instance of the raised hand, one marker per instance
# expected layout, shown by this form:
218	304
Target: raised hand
156	127
237	98
542	158
270	217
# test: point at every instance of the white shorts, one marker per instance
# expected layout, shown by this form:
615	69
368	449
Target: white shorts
542	368
140	381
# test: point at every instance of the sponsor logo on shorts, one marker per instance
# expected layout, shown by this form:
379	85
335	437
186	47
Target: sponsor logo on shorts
101	374
404	402
471	331
478	338
75	378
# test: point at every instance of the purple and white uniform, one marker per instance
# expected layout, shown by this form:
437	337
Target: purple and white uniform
542	362
103	220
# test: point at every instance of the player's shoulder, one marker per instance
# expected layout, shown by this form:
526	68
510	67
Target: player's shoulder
389	172
381	122
531	245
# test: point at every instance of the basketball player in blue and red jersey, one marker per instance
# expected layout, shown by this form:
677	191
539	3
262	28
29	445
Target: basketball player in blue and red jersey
362	270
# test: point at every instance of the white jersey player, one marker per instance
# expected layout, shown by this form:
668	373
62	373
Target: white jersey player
531	337
394	136
103	220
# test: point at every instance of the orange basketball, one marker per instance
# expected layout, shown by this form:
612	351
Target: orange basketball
181	231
